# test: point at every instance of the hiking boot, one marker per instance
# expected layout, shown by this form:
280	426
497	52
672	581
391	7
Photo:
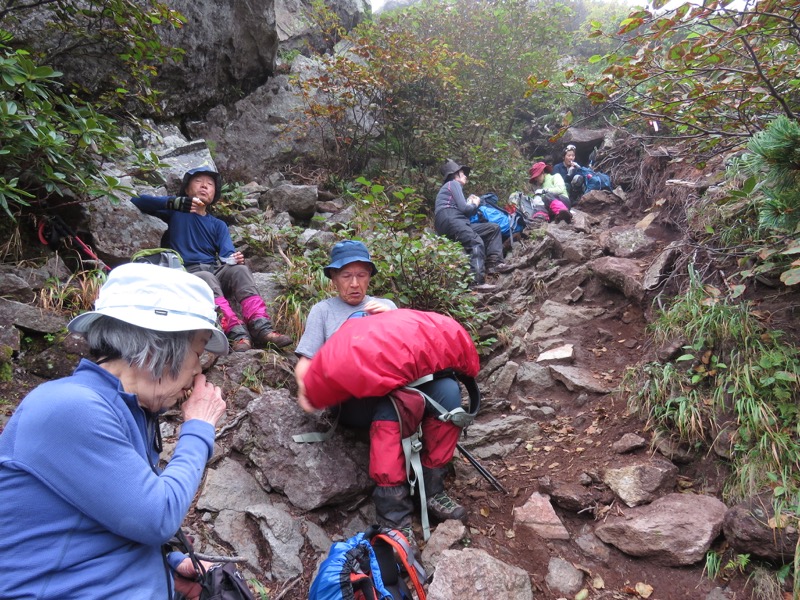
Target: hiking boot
239	339
564	216
500	267
263	334
442	507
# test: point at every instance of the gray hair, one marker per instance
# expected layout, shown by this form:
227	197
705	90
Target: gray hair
158	352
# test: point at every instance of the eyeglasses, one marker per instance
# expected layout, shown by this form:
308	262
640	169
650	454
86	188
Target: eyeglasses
570	147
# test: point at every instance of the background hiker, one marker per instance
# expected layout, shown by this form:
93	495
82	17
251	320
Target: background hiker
482	241
85	507
541	177
570	172
204	243
549	199
350	270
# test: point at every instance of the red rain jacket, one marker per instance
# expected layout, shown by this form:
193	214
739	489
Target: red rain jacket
374	355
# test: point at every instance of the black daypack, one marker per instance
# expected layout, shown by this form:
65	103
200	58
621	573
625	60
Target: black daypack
224	582
220	582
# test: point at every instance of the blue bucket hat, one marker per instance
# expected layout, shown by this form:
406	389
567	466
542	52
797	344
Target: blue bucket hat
346	252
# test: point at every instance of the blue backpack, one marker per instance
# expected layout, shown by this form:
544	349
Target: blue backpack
595	180
369	566
489	211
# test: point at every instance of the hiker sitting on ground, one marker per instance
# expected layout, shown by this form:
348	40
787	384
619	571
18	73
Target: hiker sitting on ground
549	197
350	270
83	497
541	177
569	171
205	245
482	241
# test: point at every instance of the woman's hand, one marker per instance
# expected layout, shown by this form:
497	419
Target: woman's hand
186	579
205	402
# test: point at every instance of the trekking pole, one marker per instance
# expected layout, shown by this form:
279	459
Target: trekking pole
479	467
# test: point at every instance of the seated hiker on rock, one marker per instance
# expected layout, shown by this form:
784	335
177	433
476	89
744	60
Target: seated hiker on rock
549	198
83	497
350	270
482	241
569	171
205	245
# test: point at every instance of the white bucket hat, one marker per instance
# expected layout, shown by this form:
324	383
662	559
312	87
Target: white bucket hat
157	298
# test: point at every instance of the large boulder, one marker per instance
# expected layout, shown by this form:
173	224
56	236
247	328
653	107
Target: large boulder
230	47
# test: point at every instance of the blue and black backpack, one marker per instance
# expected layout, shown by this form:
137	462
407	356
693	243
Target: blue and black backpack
369	566
490	211
594	180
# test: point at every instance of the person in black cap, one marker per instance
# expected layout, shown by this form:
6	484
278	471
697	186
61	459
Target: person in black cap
204	243
482	241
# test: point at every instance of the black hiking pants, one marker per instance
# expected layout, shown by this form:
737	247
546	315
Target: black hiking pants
482	241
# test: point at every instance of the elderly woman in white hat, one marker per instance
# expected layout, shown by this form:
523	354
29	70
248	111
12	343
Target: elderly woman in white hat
85	506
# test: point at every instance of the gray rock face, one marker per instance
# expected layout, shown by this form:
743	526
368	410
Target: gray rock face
300	201
309	475
750	529
474	574
641	482
674	530
626	242
30	317
562	577
537	514
624	274
230	48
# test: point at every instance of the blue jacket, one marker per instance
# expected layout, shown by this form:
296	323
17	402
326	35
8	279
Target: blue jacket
83	508
199	239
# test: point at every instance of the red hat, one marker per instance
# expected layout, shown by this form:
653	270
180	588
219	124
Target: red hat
537	169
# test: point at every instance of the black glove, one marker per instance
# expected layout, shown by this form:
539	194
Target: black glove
181	203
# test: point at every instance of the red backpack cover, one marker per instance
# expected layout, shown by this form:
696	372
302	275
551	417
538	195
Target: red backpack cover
374	355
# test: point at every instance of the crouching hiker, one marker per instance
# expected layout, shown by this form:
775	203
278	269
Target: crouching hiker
350	269
204	243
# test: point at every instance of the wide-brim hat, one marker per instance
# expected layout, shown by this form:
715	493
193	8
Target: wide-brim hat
537	169
451	167
202	170
159	299
346	252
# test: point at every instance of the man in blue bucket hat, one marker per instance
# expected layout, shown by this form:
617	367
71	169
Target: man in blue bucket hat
351	269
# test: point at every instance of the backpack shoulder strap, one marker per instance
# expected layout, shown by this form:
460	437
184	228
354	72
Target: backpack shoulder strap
405	555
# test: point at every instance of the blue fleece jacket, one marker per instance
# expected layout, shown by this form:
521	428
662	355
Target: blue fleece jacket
83	510
199	239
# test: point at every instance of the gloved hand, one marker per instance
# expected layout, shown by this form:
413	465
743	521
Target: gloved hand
181	203
571	170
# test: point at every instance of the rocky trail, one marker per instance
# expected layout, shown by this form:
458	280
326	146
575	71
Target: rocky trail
569	319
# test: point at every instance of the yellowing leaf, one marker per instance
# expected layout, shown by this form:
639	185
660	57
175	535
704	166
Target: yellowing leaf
644	590
484	512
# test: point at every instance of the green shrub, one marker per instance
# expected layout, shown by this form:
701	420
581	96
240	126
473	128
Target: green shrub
50	143
733	370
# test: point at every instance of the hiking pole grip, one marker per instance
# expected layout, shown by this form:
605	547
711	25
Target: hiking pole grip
478	467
